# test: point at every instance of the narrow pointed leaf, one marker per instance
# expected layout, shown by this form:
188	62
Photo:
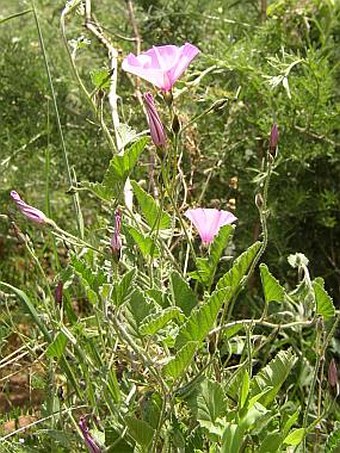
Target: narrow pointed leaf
206	267
123	290
146	244
119	170
30	308
141	431
150	209
219	244
272	289
177	366
240	267
273	375
183	295
203	318
324	303
156	321
295	437
244	389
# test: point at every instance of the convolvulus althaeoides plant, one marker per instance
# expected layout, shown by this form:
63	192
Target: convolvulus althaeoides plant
154	344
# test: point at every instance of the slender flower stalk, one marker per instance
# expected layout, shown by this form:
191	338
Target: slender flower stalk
32	213
89	441
157	131
161	65
209	221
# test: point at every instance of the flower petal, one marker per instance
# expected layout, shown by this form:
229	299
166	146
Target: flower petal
208	221
187	53
161	65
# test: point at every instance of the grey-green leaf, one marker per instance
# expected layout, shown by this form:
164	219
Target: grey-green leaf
211	402
57	347
146	244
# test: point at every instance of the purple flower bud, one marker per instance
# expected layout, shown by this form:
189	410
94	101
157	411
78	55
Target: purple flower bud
332	374
116	242
157	131
30	212
274	140
58	293
89	441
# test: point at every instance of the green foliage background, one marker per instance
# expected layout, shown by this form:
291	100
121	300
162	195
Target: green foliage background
246	57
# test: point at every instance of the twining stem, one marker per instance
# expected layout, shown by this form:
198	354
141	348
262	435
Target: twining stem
318	349
88	97
262	322
263	211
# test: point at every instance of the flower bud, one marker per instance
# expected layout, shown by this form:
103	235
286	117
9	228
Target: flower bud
157	131
28	211
116	242
58	293
274	140
89	441
332	374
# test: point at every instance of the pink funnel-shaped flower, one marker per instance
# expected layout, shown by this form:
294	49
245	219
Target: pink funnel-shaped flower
161	65
30	212
157	131
209	221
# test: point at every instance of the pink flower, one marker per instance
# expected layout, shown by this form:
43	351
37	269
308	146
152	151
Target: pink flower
30	212
161	65
209	221
155	124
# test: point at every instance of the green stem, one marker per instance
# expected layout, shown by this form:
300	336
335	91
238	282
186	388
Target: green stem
76	204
